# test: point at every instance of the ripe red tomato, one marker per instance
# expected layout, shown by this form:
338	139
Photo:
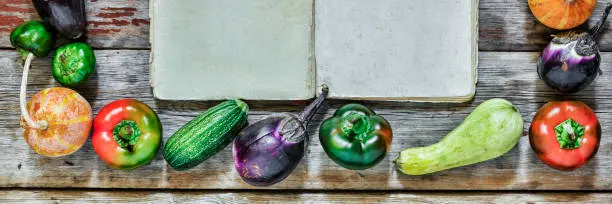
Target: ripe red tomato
127	134
565	134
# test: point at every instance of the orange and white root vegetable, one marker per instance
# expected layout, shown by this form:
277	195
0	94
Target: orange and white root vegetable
562	14
56	121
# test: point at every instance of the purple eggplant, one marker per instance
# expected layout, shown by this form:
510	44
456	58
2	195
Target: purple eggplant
65	16
571	60
267	151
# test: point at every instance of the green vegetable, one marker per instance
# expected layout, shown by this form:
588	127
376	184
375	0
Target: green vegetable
73	64
490	131
33	37
205	135
355	137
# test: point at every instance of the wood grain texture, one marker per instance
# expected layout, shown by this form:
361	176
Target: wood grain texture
505	25
124	73
508	25
55	196
112	23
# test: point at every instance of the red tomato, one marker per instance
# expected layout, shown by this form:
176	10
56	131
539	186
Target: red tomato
565	134
127	134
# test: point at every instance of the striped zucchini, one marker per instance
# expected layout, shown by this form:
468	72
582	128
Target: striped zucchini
207	134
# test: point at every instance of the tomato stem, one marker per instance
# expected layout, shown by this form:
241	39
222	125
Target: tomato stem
126	134
569	134
570	131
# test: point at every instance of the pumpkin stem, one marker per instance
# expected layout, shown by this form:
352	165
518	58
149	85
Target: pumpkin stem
41	125
570	1
596	31
305	116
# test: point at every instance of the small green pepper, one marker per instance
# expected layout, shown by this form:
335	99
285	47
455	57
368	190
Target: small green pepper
73	64
355	137
32	37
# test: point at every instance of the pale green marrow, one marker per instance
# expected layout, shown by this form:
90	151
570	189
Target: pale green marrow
491	130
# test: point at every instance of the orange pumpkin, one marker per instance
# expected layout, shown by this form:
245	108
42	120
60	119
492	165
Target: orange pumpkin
562	14
66	119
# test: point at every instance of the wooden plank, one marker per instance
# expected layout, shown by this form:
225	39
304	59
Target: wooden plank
124	73
504	25
112	23
79	196
510	26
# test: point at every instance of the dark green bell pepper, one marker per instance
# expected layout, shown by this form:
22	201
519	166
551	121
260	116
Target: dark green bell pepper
355	137
32	37
73	64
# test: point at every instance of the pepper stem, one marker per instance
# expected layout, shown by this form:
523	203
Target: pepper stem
570	131
354	125
596	31
41	125
569	134
126	134
309	111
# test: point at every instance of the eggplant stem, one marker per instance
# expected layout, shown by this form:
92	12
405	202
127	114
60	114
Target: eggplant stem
41	125
596	31
309	111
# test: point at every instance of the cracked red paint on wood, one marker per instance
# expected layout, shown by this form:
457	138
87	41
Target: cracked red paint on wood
14	8
10	20
95	31
127	24
17	1
116	24
115	14
8	23
138	22
12	14
113	22
119	9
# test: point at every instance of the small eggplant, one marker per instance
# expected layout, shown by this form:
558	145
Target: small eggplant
571	60
267	151
65	16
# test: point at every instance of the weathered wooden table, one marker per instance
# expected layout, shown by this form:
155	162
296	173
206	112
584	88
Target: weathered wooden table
510	39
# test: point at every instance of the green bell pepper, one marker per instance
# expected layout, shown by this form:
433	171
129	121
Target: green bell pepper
355	137
32	37
73	64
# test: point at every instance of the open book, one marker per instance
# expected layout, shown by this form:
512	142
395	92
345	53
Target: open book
418	50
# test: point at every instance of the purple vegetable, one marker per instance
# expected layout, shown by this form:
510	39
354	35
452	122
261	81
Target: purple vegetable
571	61
267	151
65	16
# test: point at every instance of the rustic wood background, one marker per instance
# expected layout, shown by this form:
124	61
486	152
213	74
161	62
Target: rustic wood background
510	39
